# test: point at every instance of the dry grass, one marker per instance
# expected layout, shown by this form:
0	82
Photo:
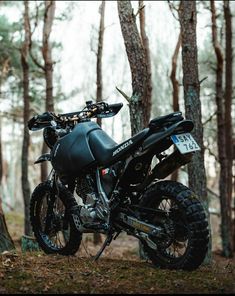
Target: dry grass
118	271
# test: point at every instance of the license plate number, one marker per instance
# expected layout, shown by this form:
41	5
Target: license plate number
185	143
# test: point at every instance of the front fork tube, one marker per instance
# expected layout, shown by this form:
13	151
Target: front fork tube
51	197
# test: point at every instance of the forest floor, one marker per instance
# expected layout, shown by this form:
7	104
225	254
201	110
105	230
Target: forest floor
118	271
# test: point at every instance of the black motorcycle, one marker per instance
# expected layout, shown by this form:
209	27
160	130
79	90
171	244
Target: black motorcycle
97	185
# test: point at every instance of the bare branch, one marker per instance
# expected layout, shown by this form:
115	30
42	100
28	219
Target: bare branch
210	118
36	19
124	95
139	10
172	9
36	61
203	79
211	153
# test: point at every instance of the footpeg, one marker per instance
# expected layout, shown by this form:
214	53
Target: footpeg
75	212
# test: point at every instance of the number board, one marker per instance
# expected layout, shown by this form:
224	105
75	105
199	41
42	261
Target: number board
185	143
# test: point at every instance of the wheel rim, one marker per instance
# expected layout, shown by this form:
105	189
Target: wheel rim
176	228
56	234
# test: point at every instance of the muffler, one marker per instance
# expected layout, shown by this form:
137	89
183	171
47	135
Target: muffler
165	167
171	163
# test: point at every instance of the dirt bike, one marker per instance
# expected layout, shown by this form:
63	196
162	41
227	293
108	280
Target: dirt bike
118	187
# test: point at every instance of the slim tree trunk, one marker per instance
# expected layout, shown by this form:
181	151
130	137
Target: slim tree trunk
99	81
48	69
145	41
47	53
221	140
196	169
25	147
228	105
138	65
174	81
175	92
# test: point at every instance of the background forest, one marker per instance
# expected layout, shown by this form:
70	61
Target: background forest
73	51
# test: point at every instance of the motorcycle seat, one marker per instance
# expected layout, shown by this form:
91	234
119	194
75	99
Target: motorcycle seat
106	151
165	120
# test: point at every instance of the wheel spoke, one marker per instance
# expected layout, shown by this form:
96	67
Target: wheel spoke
55	236
175	246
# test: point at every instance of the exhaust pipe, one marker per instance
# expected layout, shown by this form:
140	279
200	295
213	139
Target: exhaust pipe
166	167
171	163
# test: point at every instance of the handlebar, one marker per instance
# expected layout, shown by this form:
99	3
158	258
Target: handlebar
41	121
92	110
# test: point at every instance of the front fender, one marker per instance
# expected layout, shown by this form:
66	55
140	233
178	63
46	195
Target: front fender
43	157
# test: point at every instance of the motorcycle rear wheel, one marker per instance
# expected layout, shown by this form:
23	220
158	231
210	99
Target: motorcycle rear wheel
186	226
59	235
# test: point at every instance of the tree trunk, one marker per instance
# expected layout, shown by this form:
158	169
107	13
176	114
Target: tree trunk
174	81
197	176
145	41
48	69
137	50
175	92
99	81
196	169
138	65
228	108
6	242
25	147
221	140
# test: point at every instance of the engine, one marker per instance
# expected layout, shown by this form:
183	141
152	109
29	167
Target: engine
86	189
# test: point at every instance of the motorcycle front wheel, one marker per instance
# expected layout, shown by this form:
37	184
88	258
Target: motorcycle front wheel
51	221
187	236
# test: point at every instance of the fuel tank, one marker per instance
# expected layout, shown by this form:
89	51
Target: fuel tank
71	155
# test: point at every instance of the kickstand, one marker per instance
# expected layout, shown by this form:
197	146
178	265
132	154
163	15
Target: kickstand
105	244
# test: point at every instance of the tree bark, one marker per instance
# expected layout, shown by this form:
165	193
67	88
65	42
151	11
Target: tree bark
228	107
145	42
174	81
137	49
47	53
187	14
6	242
48	69
138	65
221	139
25	147
175	92
99	81
196	169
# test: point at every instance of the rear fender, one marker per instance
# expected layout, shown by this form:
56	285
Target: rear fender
43	157
184	126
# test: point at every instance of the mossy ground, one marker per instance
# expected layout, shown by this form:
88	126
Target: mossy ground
118	271
40	273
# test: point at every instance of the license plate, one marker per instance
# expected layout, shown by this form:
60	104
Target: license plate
185	143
